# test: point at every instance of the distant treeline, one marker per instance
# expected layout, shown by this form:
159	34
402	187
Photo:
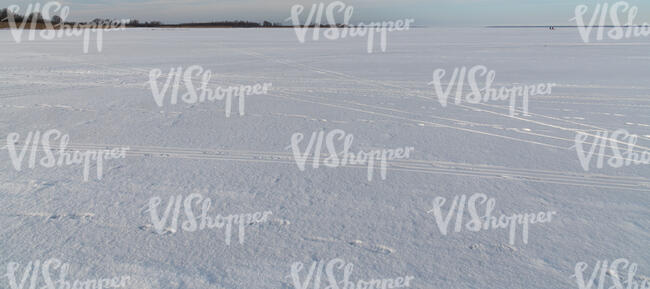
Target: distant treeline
38	18
242	24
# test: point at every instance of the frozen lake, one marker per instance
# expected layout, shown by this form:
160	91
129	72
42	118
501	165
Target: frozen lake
245	164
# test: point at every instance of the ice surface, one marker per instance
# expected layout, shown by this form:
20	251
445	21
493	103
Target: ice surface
242	163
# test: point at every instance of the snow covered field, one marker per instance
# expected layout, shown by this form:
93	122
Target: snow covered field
103	228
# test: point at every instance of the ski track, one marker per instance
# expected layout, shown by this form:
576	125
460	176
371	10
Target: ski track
410	165
390	113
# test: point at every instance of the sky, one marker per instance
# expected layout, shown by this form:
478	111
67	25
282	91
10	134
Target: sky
424	12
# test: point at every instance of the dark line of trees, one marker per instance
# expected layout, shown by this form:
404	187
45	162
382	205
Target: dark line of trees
4	17
37	17
137	23
243	24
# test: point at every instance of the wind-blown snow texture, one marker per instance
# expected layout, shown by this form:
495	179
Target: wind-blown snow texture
244	165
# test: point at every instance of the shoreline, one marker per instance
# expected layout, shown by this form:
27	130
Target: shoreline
42	26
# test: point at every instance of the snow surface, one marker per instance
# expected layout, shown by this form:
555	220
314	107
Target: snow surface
242	163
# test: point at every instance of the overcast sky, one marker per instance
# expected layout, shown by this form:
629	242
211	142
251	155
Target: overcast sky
425	12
